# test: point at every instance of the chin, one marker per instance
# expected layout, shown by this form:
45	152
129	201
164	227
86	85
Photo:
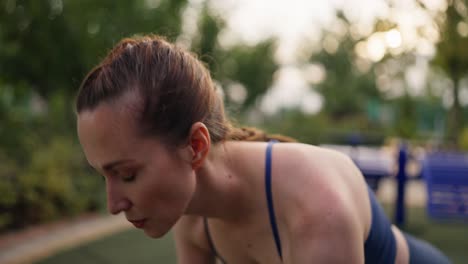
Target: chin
153	234
156	232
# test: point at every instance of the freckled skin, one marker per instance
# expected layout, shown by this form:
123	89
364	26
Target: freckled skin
164	180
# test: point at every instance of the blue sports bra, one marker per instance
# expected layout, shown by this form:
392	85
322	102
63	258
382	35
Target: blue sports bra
379	247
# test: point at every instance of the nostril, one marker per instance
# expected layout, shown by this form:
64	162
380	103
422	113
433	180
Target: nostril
126	205
120	206
112	209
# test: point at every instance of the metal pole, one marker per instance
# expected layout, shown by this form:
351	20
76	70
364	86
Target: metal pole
401	182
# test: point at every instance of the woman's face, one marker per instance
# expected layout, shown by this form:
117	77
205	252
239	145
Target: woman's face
149	183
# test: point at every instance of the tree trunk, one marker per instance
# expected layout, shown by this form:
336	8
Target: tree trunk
454	119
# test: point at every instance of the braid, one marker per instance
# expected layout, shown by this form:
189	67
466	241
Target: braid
255	134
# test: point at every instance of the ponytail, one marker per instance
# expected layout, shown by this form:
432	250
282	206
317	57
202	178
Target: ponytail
255	134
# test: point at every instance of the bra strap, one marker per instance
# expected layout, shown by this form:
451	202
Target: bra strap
269	196
210	241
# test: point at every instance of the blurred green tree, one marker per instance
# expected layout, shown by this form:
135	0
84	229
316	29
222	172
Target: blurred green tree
347	88
452	56
46	48
49	45
239	68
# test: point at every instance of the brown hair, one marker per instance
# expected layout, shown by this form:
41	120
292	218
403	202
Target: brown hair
175	87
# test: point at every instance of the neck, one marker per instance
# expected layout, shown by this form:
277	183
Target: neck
224	184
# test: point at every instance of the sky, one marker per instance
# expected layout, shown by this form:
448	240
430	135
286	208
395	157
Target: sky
296	22
293	21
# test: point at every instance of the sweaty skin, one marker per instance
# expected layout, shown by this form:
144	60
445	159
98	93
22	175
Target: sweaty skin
320	197
163	181
308	200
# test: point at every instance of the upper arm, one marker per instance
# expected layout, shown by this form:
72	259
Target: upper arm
328	223
188	236
334	236
328	230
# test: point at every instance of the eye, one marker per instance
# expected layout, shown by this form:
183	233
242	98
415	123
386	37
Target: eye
128	178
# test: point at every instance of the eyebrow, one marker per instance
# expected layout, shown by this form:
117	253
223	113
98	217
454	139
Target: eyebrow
109	166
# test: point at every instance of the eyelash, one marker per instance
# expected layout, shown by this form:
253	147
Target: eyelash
128	178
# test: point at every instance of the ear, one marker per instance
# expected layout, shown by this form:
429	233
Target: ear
200	143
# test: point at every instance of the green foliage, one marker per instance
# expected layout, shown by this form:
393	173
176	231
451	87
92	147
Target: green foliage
346	89
296	124
46	49
49	45
52	184
251	66
206	42
452	58
9	193
42	172
322	129
463	140
406	114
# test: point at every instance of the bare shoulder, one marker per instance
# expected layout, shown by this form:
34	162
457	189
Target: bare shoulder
319	186
321	200
316	167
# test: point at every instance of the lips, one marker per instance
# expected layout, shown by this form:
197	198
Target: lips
138	223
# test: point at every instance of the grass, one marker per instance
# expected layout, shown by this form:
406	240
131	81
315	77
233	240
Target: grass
132	246
450	237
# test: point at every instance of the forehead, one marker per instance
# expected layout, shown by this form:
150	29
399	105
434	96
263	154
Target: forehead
120	113
108	132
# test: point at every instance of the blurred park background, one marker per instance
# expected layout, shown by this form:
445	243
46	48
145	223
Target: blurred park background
360	72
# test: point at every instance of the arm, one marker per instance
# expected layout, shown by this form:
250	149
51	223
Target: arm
335	238
186	234
326	222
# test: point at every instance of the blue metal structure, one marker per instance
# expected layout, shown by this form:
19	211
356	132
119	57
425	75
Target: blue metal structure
446	175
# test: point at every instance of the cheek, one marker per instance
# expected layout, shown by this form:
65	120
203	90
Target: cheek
179	178
170	191
165	201
179	187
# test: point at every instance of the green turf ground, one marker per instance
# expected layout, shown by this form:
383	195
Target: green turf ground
133	247
449	236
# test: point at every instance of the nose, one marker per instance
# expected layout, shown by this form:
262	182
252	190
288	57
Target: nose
116	201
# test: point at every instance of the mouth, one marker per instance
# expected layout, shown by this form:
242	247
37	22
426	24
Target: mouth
138	223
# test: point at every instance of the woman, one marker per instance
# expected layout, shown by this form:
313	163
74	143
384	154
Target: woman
151	122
